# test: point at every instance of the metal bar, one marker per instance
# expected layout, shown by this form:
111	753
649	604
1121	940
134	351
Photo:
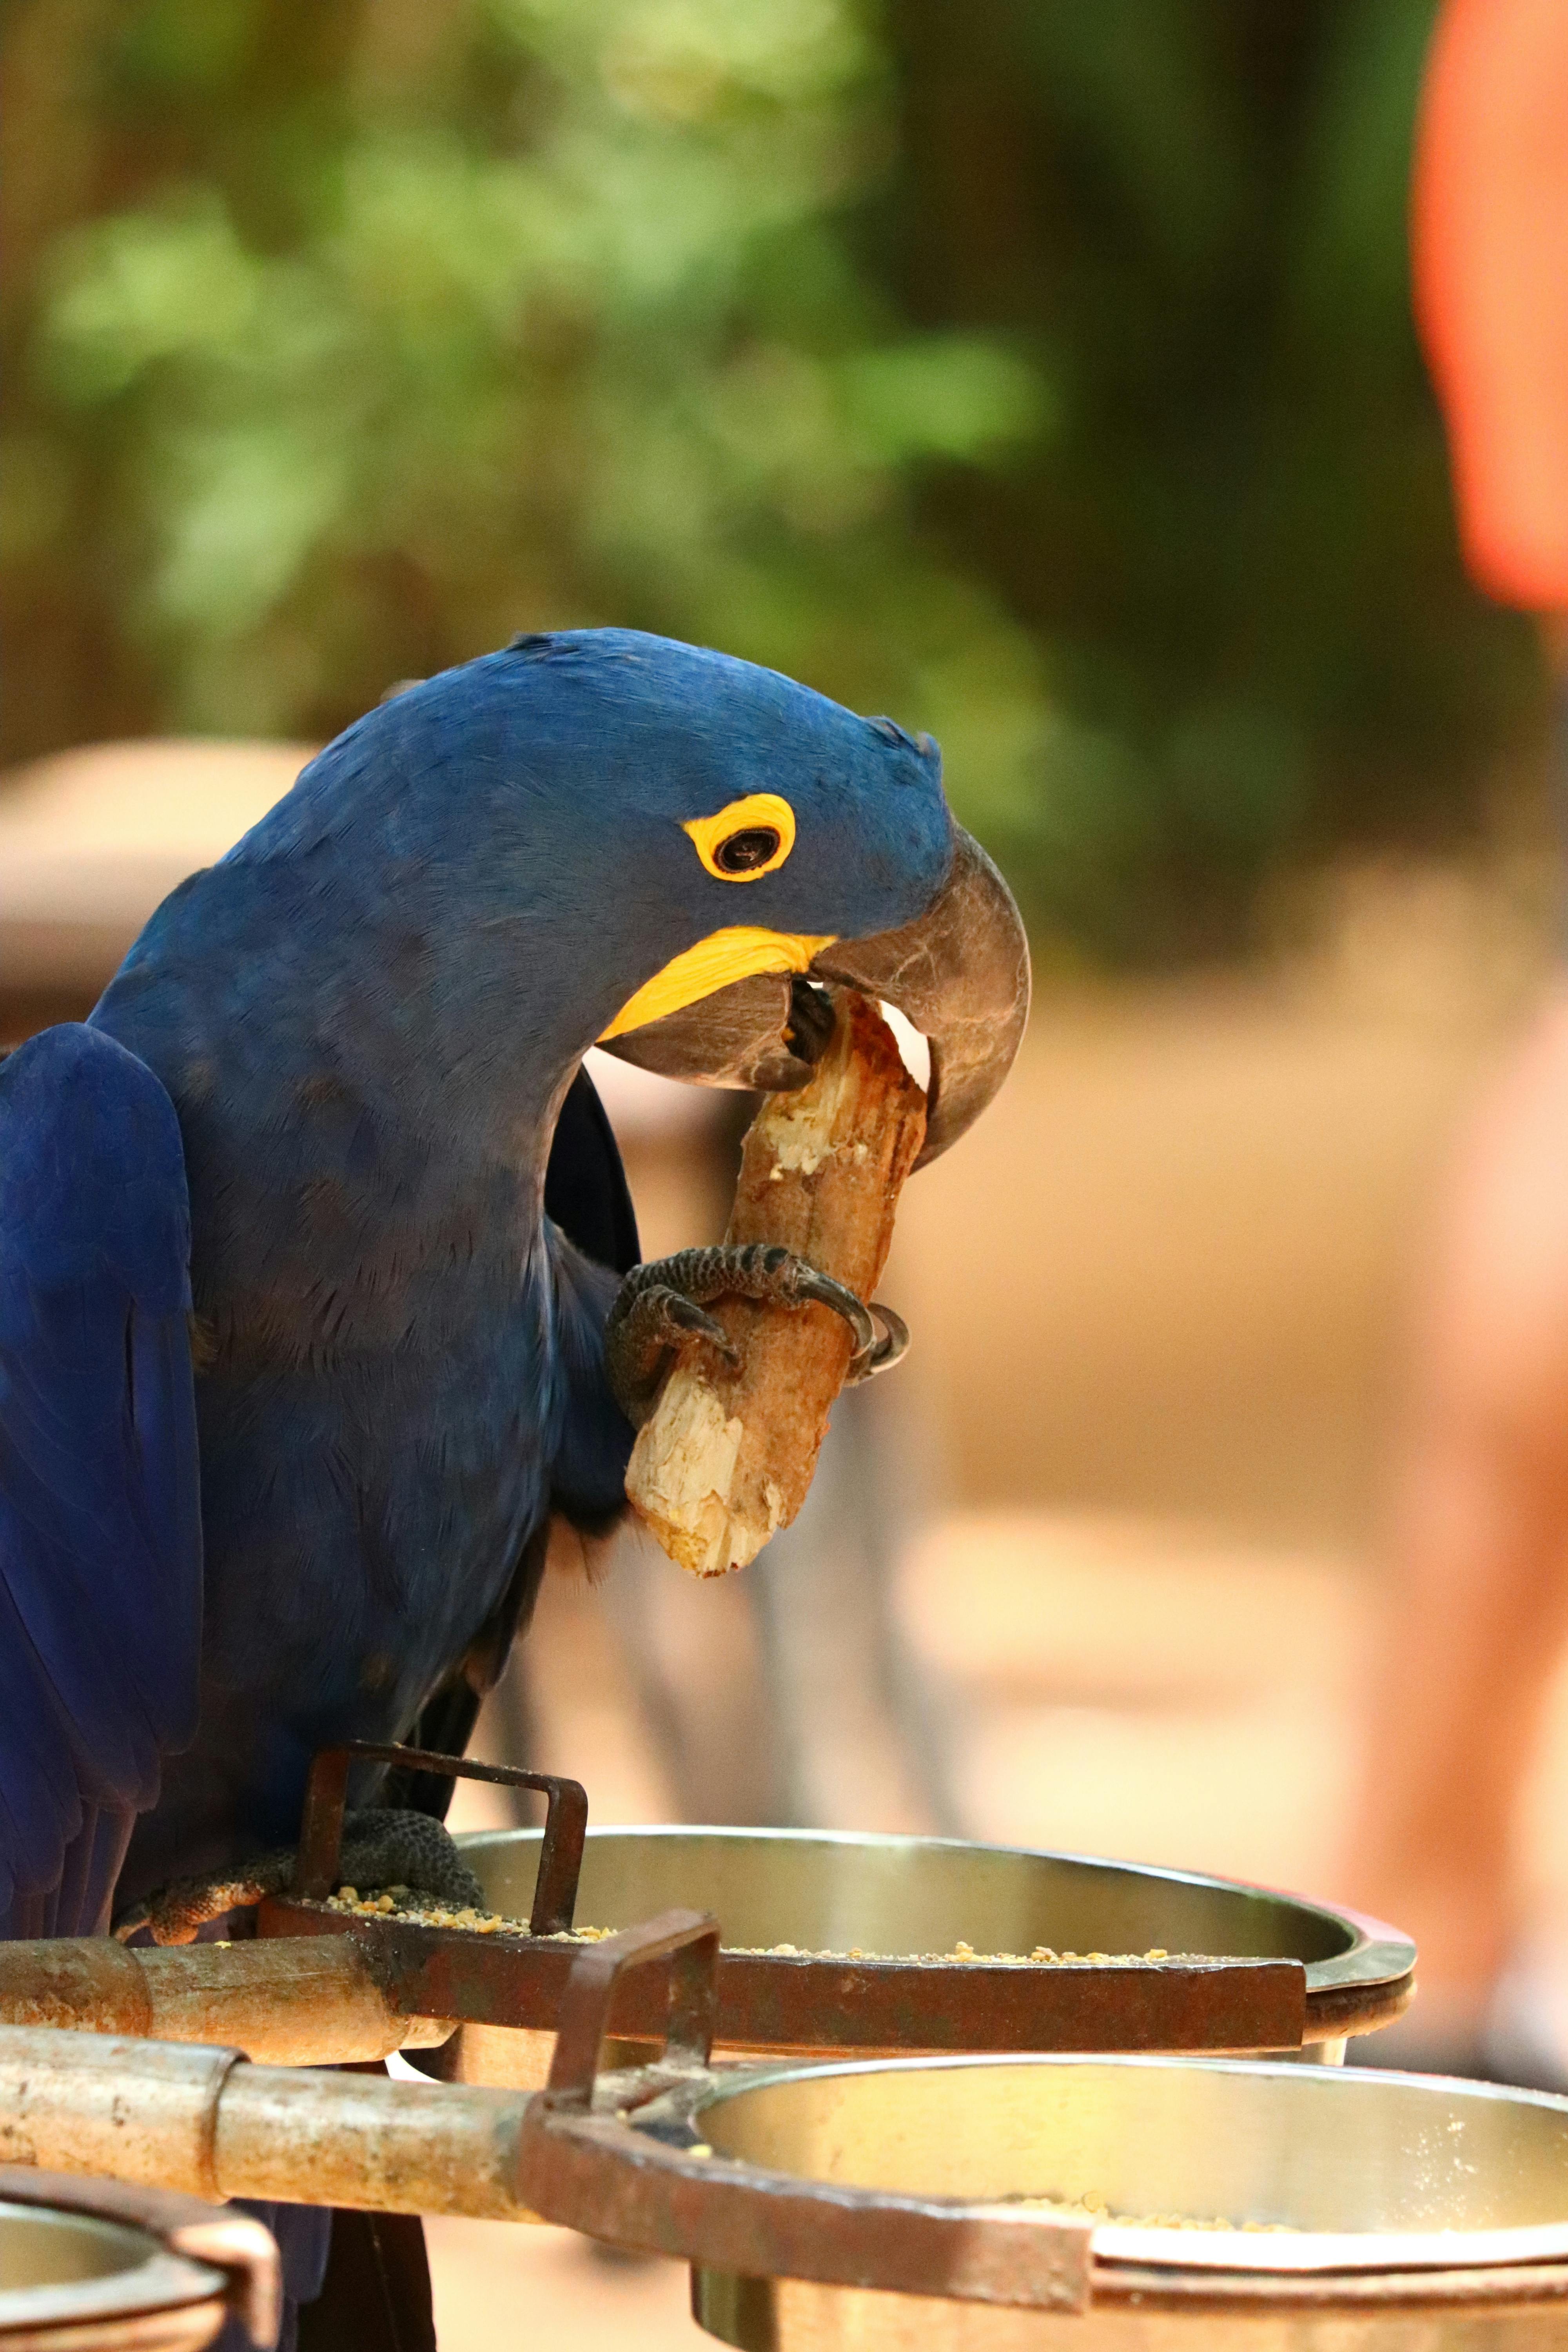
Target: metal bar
560	1853
359	2140
83	1980
689	1941
205	2121
322	1824
789	2003
439	1972
304	2001
794	2001
143	2111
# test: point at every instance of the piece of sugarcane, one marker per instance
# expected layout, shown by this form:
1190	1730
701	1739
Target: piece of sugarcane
726	1456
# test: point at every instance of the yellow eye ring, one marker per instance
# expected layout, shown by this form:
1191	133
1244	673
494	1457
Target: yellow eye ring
748	839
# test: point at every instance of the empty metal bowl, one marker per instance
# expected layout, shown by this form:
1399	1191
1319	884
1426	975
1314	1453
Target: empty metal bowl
1109	2205
88	2265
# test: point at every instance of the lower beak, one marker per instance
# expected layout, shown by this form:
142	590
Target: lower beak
960	973
748	1035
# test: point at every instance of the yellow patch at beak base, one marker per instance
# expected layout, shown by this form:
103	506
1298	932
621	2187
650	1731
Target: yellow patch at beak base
737	953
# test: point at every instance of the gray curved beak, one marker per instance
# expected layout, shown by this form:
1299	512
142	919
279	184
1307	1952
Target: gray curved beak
960	973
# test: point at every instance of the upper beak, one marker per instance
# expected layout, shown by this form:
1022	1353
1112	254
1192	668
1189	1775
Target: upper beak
960	973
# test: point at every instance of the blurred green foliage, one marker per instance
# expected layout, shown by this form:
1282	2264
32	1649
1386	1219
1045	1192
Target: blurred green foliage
1037	372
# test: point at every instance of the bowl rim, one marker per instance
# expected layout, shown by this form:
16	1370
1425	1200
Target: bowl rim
158	2278
1366	1984
1226	2250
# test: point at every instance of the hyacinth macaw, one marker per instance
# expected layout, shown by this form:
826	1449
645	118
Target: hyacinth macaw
310	1236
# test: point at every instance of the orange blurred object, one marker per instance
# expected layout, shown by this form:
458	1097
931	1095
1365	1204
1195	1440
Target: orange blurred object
1490	245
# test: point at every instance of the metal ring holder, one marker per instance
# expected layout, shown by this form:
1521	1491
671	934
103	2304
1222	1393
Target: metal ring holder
655	2186
560	1853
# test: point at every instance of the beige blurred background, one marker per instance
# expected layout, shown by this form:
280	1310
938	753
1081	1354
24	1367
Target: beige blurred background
1096	1568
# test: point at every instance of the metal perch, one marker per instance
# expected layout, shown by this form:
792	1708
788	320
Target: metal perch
180	2116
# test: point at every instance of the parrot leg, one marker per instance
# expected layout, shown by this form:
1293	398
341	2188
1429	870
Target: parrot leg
381	1847
659	1307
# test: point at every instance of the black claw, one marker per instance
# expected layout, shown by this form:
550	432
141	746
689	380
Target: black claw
890	1347
648	1324
683	1319
811	1021
808	1283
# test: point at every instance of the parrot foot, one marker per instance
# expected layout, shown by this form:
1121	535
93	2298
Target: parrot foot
659	1308
381	1847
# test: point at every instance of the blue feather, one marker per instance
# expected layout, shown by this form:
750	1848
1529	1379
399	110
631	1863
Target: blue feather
100	1551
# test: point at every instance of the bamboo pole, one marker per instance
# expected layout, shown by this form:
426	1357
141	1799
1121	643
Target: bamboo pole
305	2000
206	2121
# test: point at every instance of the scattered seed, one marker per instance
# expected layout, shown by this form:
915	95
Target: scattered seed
406	1902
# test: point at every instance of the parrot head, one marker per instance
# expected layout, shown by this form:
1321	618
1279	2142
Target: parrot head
601	837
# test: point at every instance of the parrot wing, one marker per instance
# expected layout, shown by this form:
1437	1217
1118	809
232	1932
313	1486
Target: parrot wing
100	1545
586	1196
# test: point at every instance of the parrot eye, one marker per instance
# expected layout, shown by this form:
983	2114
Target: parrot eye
748	839
743	851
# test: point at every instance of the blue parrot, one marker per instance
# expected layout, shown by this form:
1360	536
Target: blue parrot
316	1286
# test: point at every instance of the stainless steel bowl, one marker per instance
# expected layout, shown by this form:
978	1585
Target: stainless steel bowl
1315	2169
852	1944
91	2266
856	1915
1385	2211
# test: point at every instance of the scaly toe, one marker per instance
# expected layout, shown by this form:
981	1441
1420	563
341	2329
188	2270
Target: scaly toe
385	1848
176	1912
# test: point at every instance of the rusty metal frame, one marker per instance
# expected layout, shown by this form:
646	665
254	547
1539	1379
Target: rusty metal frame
770	2002
787	2003
560	1855
623	2156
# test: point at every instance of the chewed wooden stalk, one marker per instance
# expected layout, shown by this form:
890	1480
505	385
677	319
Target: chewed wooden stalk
727	1456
